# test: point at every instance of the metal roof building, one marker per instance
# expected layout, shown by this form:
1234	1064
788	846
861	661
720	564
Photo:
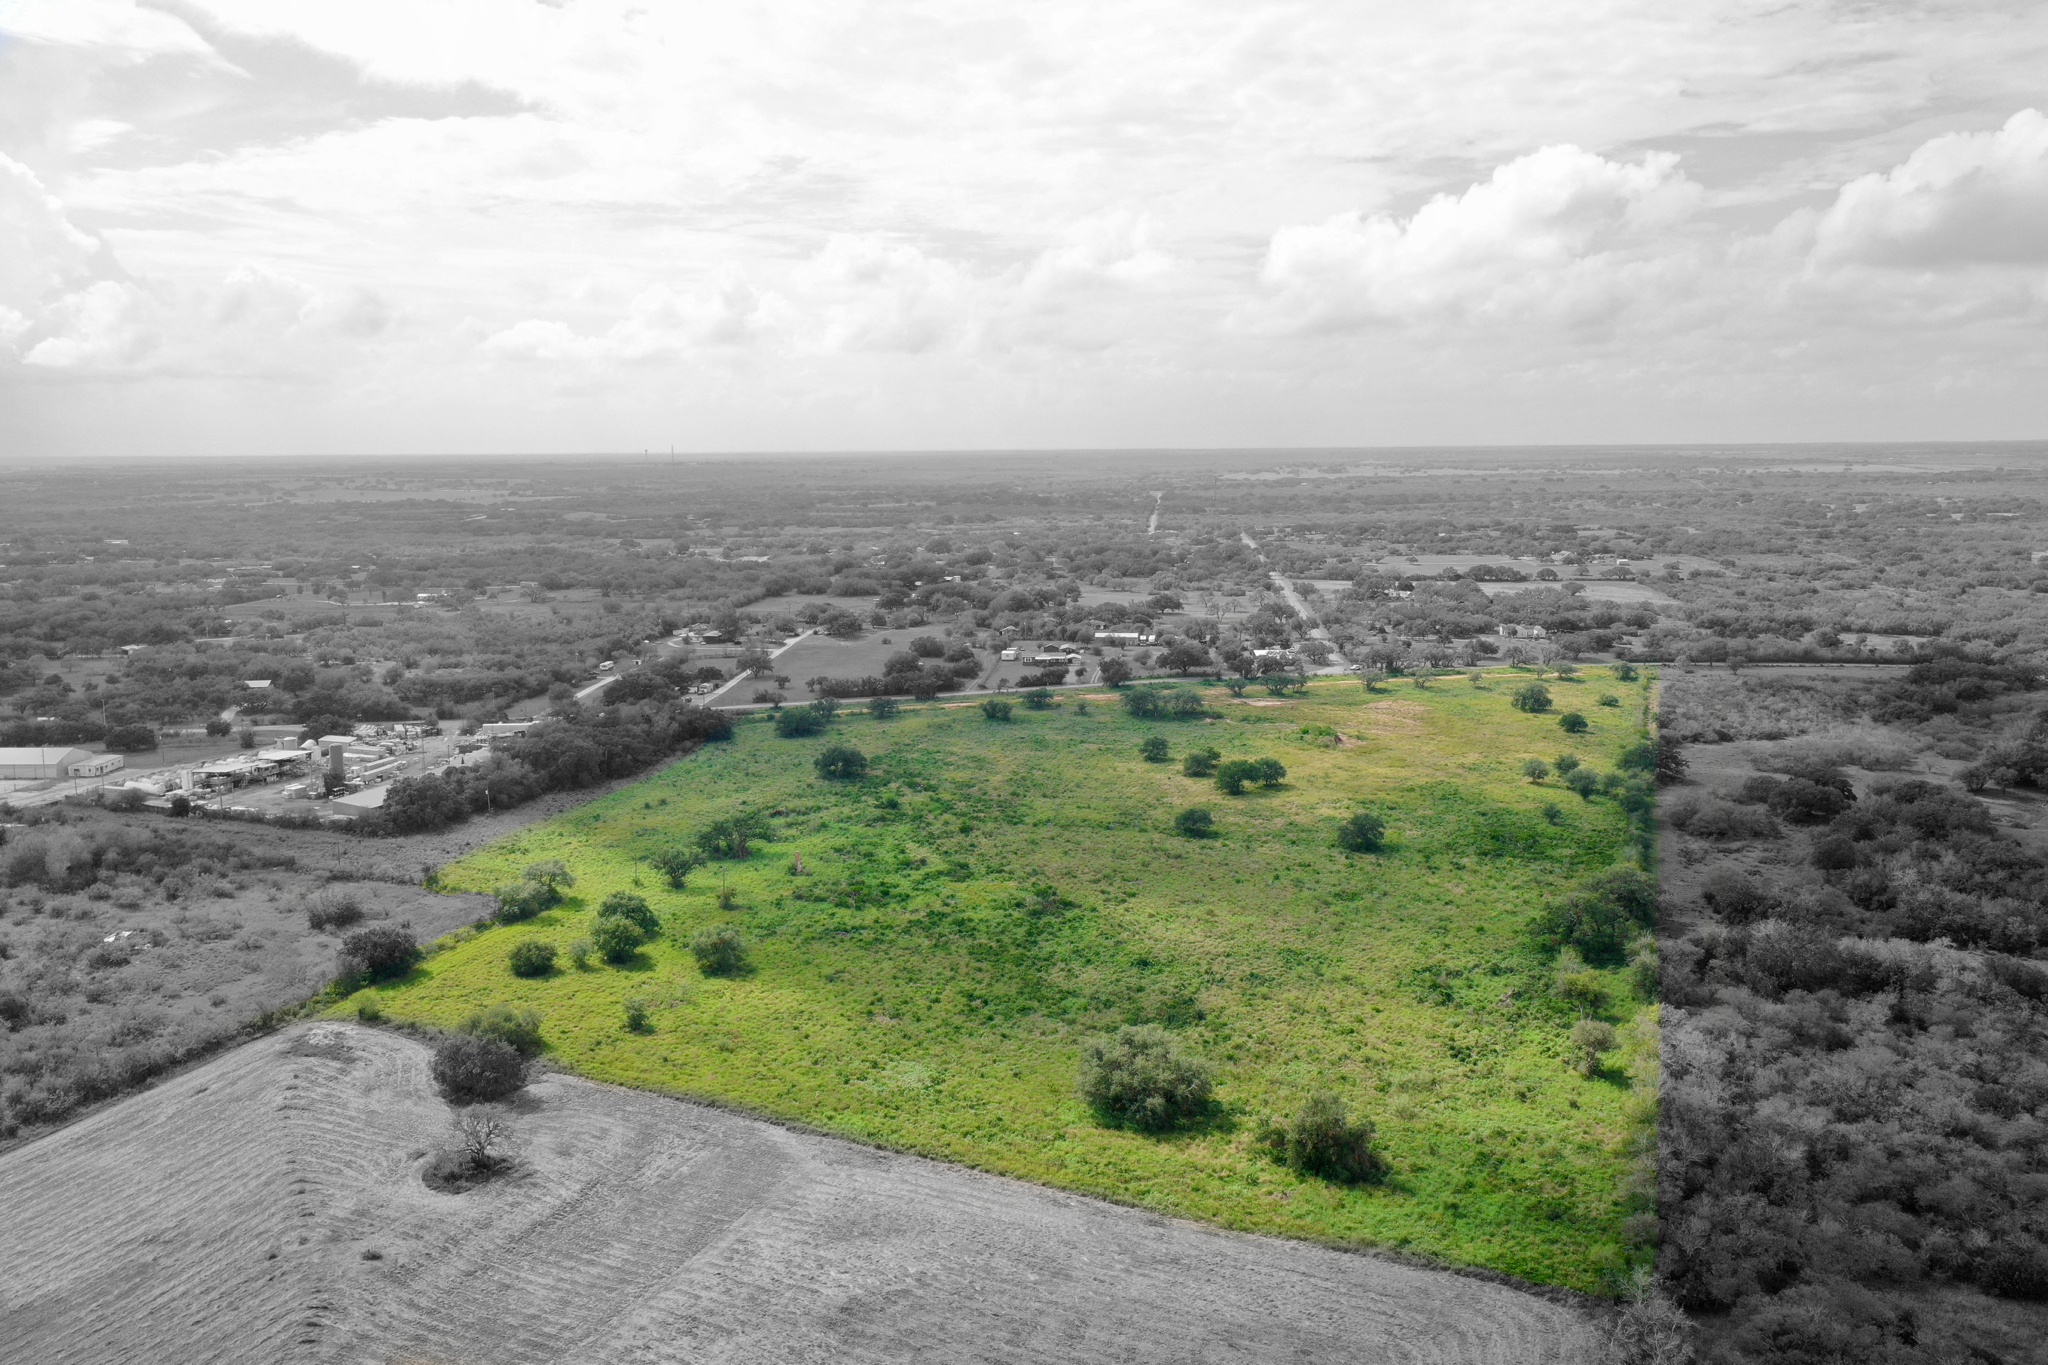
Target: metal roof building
18	765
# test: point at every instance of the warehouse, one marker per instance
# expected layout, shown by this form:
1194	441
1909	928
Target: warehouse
29	765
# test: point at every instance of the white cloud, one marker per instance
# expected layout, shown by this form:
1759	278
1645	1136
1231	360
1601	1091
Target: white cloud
1960	199
1560	235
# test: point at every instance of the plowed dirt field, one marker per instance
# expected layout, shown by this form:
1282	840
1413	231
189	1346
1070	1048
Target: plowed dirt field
268	1207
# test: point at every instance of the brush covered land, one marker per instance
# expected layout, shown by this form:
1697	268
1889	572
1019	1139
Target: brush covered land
992	892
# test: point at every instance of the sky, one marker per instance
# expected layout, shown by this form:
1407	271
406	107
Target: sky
240	227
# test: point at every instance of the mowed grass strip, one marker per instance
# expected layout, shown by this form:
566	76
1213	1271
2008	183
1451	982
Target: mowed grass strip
917	987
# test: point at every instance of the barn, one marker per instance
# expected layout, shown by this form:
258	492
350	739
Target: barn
19	765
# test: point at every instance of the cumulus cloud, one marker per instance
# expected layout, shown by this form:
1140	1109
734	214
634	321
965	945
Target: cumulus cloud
1960	199
1561	234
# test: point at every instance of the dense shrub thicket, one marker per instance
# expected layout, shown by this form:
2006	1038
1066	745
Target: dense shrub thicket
474	1068
1141	1075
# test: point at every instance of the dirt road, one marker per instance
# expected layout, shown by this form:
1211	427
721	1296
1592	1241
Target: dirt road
268	1207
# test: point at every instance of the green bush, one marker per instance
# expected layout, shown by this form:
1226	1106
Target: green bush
635	1010
676	865
1195	823
1038	698
1320	1140
1607	699
1583	782
627	905
1269	772
1601	915
1139	1075
1200	762
1590	1038
1362	833
795	722
881	708
532	957
996	709
580	950
1565	763
516	1029
380	951
719	952
616	938
472	1069
1531	697
1233	777
1152	748
1624	672
1572	723
1535	769
841	763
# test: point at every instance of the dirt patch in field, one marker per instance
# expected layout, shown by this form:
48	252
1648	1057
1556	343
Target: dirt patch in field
1395	715
269	1206
1265	701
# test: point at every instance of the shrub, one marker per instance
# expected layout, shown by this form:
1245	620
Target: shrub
579	953
1734	897
1320	1140
1531	697
1037	698
383	950
996	709
516	1029
1552	812
181	804
1572	723
1583	782
1115	672
841	763
1601	915
1709	817
635	1010
1200	762
473	1069
881	708
532	957
1535	769
334	910
733	836
1153	748
1643	967
1269	772
1576	982
1234	776
1565	763
627	905
1362	833
1834	854
521	900
1139	1075
1624	672
1607	699
719	952
1195	823
616	938
1590	1038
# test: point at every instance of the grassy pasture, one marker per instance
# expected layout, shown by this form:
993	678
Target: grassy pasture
909	988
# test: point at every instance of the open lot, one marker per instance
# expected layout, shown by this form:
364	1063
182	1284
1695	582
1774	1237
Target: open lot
993	893
268	1206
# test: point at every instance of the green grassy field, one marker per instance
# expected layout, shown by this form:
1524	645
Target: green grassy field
907	989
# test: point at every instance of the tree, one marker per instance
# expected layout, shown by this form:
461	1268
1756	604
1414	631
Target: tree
1362	833
378	952
841	763
1583	781
1152	748
1038	698
994	708
1535	769
1565	763
1200	762
616	938
629	906
1194	823
798	722
881	708
1116	671
1601	915
1269	772
1670	760
516	1029
1232	777
552	874
479	1134
676	864
1321	1140
1572	723
1139	1075
1624	672
1590	1038
130	739
181	804
532	957
719	952
218	728
471	1069
1531	697
732	836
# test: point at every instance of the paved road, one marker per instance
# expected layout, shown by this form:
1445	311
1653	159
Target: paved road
1338	663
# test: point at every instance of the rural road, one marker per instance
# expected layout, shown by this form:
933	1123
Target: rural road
267	1206
1338	663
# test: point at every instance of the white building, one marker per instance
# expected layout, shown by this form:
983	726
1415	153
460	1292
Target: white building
37	764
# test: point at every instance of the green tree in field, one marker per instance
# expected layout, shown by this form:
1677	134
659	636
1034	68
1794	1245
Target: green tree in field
616	938
1640	757
676	864
1152	748
539	888
1590	1038
1601	914
1572	723
627	905
1583	781
733	836
1576	982
1624	672
633	1013
797	722
1362	833
532	957
1194	823
1322	1140
551	873
1535	769
1036	698
1200	762
1233	777
1642	967
995	709
1531	697
516	1029
1141	1076
1116	671
719	952
881	708
841	763
1564	763
1270	772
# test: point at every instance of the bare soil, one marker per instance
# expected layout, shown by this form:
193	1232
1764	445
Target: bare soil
268	1206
